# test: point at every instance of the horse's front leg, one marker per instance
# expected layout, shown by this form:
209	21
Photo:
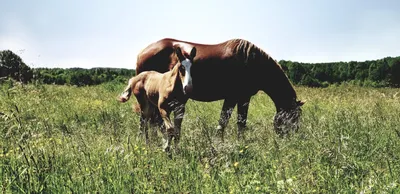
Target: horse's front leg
243	108
226	112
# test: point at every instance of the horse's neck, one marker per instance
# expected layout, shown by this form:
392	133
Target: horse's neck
279	89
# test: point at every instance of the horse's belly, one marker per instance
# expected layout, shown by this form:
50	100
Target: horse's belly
213	92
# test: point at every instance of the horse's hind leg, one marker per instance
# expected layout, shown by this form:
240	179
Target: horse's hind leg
226	112
243	108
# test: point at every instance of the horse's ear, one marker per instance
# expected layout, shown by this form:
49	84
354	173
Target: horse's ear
178	52
300	103
193	53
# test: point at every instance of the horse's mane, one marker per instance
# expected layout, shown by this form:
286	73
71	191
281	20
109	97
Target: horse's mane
250	51
253	55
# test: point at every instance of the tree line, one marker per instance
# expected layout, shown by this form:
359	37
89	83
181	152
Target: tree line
376	73
12	66
82	77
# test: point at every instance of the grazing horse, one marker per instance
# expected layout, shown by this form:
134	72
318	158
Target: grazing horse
164	91
232	71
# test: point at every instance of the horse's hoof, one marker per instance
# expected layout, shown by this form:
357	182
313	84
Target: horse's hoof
167	149
220	132
177	149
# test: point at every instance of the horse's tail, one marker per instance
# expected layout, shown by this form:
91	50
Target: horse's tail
126	94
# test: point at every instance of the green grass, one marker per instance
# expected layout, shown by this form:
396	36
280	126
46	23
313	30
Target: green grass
63	139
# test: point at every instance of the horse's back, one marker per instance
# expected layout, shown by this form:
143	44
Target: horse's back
156	57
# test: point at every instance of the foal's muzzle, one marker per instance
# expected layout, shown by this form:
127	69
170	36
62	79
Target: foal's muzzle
188	89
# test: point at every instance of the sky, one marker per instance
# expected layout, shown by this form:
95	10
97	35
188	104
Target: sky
103	33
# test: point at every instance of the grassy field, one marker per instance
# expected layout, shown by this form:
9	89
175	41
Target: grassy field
63	139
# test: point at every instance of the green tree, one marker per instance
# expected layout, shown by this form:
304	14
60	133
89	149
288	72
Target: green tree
296	72
11	65
395	72
378	71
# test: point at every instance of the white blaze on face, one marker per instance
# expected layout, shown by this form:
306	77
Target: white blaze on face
188	78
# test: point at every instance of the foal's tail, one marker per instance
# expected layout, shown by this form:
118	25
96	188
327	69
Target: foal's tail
127	92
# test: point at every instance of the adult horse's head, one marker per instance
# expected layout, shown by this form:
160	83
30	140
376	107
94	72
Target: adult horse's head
287	119
184	69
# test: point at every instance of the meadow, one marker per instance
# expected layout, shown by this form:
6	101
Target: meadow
66	139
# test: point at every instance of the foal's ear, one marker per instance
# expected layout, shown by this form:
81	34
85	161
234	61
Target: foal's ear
178	52
193	53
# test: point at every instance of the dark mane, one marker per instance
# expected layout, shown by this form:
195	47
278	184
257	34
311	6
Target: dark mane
248	50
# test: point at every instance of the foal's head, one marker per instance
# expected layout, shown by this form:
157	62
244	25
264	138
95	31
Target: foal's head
184	65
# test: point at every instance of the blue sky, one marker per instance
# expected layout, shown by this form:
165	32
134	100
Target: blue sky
100	33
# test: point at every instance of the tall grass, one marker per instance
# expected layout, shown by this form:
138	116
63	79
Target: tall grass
63	139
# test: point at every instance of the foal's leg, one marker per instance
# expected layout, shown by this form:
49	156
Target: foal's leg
143	127
169	128
178	118
226	113
243	108
155	121
145	112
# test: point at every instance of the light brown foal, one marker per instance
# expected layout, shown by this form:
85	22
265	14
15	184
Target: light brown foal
164	91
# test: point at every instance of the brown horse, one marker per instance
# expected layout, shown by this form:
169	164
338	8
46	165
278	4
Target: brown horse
234	71
164	91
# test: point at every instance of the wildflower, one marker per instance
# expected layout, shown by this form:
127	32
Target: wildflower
236	164
289	181
241	151
281	185
97	103
257	188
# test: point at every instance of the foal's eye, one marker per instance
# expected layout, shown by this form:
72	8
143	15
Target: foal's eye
182	70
